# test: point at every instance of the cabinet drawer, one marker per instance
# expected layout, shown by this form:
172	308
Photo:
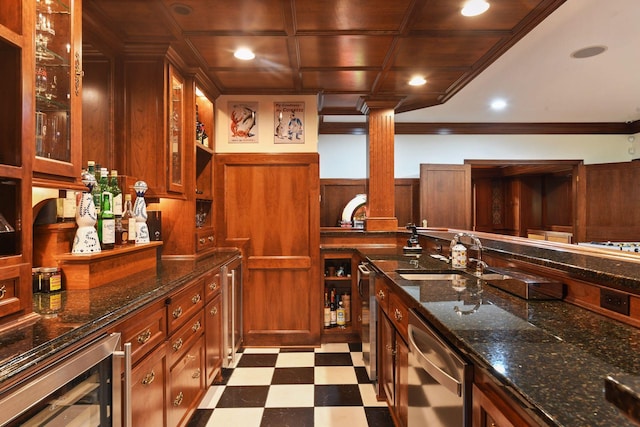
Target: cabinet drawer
187	383
184	304
145	330
205	238
399	314
148	382
184	337
382	294
212	284
213	338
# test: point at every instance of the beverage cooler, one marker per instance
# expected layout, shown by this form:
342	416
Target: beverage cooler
82	389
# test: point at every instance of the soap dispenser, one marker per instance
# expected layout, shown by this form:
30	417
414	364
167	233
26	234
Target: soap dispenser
459	256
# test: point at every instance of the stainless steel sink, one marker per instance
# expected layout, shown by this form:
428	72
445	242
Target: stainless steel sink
432	276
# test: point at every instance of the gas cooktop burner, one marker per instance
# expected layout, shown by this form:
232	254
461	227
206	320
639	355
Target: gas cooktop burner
618	246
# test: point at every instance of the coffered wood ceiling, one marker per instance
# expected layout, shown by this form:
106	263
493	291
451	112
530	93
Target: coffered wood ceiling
341	50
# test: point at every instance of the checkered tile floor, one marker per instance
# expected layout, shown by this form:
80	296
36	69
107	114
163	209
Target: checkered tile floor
322	387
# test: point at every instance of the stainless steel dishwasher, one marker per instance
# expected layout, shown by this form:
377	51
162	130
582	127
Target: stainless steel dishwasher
367	291
439	380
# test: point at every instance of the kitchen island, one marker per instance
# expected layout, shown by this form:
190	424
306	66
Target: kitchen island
551	357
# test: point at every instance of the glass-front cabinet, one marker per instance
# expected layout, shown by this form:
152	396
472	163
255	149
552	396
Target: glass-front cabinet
58	85
176	131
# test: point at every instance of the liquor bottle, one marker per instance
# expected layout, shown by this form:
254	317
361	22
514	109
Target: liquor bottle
117	205
327	311
128	222
106	218
96	193
333	310
340	319
346	302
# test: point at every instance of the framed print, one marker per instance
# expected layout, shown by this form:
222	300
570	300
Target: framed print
243	122
288	122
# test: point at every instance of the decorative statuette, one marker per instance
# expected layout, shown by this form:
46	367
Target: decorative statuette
86	239
140	212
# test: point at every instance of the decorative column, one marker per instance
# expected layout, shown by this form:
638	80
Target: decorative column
381	215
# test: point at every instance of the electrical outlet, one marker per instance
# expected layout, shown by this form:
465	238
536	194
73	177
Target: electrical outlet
614	301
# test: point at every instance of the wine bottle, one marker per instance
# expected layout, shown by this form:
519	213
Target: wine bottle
333	310
95	192
346	300
117	206
340	319
106	218
327	311
128	222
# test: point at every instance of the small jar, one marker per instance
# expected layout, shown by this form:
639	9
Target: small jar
36	278
51	280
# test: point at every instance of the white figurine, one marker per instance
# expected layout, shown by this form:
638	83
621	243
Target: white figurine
86	240
140	212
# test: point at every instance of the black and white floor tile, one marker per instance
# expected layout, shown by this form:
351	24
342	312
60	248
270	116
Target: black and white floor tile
271	387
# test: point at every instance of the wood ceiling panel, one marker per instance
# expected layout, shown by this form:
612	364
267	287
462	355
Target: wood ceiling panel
257	81
217	52
350	15
231	16
343	51
343	81
453	51
444	15
133	19
341	100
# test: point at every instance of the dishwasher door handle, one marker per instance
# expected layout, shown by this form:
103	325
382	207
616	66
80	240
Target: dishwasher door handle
430	366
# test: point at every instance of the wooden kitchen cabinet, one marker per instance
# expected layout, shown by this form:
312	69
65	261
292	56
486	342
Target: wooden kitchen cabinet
393	352
58	92
213	325
148	383
186	383
492	407
339	273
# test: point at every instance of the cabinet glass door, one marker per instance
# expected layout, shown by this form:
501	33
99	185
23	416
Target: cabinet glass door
176	131
53	80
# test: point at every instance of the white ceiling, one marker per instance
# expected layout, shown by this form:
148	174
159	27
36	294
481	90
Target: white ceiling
542	83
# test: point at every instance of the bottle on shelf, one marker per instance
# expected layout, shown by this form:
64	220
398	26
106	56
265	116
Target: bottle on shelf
128	222
346	302
117	205
333	310
106	218
95	192
340	317
327	310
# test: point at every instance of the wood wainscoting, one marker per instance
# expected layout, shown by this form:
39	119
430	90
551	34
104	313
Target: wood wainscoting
271	201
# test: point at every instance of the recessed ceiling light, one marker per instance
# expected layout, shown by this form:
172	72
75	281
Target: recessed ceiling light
474	7
417	81
244	53
498	104
588	52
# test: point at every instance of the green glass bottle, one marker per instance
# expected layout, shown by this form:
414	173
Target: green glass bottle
106	218
117	205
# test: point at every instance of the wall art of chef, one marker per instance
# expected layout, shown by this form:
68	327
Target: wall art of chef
288	122
243	122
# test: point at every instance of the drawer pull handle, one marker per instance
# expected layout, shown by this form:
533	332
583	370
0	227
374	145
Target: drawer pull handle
144	337
398	315
177	345
381	294
196	374
148	379
196	298
213	286
202	241
391	349
196	326
3	291
177	312
210	238
214	311
178	400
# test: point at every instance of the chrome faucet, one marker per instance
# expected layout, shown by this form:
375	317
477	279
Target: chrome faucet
480	264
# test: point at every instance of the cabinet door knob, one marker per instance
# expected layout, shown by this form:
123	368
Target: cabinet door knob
196	298
3	291
214	311
148	379
178	400
398	315
196	326
381	294
177	345
213	286
202	241
196	374
144	336
210	238
177	312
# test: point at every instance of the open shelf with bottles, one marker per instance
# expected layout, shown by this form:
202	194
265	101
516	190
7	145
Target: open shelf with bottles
339	281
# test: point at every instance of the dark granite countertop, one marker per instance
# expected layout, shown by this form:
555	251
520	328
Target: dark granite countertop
69	317
553	356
